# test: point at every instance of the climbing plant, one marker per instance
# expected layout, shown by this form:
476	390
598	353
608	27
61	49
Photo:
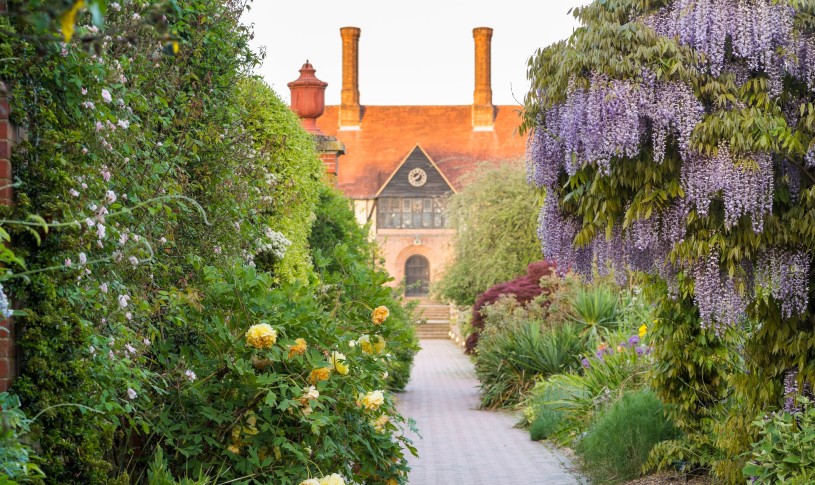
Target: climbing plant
675	139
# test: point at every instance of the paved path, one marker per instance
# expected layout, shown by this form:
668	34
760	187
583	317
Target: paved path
462	444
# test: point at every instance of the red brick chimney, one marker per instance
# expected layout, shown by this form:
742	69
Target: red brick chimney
350	109
308	98
483	110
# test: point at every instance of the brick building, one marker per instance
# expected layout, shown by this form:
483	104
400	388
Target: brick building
401	163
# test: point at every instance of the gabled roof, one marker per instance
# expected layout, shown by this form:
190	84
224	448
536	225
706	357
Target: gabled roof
437	183
375	151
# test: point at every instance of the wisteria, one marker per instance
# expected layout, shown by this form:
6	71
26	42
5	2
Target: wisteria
756	28
792	392
715	294
745	189
610	120
558	239
783	274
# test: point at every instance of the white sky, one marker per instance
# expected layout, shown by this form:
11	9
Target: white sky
410	52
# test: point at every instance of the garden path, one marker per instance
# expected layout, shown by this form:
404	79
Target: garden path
462	444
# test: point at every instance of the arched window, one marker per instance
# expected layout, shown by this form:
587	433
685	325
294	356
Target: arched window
417	276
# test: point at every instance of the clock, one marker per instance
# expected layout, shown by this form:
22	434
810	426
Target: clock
417	177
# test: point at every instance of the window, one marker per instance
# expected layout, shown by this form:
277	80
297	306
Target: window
411	213
417	276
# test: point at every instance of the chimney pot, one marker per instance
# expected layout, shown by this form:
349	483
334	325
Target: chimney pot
483	109
350	109
308	98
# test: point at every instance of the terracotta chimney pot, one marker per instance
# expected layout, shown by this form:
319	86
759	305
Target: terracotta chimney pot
308	98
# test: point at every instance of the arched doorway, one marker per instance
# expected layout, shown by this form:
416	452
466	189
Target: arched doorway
417	276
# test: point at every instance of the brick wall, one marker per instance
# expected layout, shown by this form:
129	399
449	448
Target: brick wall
8	361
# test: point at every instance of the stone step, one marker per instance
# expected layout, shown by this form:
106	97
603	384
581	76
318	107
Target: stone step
433	331
435	313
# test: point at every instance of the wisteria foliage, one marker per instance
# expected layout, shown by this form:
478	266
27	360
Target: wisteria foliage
603	122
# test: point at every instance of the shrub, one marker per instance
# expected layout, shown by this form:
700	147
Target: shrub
785	452
494	217
509	360
546	410
248	406
15	454
603	379
524	288
618	442
596	311
185	175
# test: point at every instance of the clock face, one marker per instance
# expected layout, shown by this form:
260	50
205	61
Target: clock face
417	177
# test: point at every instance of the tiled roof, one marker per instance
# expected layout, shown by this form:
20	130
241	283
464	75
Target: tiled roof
388	134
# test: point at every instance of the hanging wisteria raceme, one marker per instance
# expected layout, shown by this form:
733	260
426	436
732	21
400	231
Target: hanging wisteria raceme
783	274
716	295
804	66
557	232
545	152
758	29
746	187
748	191
611	255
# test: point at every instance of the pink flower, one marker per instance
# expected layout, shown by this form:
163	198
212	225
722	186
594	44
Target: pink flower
129	316
100	231
190	375
110	196
99	126
103	287
84	151
123	299
67	262
83	258
84	91
106	96
73	193
123	123
131	394
105	174
133	260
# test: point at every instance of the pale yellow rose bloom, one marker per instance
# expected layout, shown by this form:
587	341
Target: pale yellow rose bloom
337	360
333	479
261	336
310	481
372	400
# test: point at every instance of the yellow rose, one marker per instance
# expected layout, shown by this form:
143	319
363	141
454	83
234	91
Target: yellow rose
310	481
365	344
379	345
372	400
380	314
317	375
337	360
368	347
643	330
261	336
299	347
380	422
333	479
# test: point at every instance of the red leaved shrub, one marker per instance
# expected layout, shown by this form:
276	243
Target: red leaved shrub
524	288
